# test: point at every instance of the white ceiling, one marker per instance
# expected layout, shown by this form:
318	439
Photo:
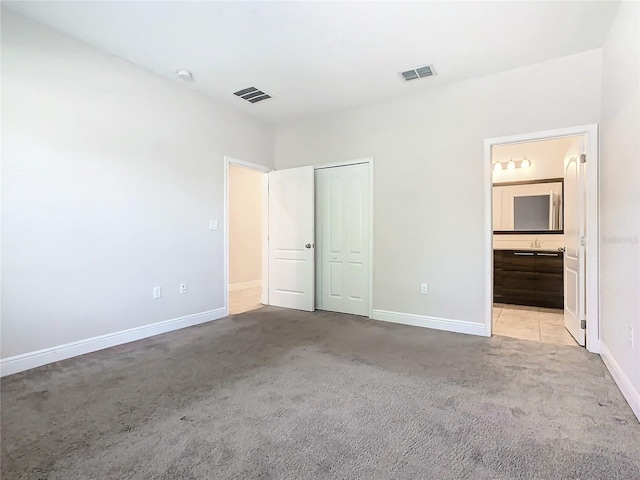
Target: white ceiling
317	57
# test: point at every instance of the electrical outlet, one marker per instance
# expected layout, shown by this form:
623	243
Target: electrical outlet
157	292
424	288
183	288
632	338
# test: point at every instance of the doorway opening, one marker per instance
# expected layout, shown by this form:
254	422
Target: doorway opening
543	212
246	236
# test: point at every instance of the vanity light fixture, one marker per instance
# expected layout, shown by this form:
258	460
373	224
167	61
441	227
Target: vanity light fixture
511	164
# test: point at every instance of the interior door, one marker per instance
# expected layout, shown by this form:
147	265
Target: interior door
291	238
574	259
342	228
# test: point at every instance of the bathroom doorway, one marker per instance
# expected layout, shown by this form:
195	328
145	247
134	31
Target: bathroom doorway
539	213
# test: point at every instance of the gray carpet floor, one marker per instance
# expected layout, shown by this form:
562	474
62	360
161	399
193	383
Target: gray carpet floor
278	394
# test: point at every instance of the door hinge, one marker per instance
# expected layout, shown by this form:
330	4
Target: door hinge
583	324
583	241
583	158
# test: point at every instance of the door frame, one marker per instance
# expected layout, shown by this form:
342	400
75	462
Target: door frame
592	269
228	161
370	162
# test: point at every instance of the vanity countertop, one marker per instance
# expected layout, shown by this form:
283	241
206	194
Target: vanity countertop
529	249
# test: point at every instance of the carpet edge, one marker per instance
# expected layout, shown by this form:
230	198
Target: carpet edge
38	358
445	324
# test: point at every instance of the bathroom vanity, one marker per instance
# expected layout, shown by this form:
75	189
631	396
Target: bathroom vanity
529	277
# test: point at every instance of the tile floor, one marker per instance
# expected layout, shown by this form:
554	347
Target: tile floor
244	300
545	325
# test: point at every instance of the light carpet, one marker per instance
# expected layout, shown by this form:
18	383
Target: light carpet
281	394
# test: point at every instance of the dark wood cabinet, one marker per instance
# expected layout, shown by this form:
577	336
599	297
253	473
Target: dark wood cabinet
523	277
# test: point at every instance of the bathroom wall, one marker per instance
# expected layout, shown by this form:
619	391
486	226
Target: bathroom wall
546	159
523	242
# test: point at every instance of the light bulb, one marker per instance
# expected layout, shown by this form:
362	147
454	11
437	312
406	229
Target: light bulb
525	163
511	165
497	166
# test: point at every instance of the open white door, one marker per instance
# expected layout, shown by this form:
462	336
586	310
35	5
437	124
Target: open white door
291	238
574	259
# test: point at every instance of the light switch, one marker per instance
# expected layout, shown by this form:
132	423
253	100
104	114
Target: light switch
214	224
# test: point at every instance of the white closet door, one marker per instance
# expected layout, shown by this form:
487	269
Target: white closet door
342	233
291	238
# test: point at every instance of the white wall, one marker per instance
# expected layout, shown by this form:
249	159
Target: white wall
429	172
110	175
245	225
620	201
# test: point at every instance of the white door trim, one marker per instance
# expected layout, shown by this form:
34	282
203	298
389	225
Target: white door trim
228	161
368	160
593	226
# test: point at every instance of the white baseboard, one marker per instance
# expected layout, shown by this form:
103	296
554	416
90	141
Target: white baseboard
631	395
244	285
458	326
27	361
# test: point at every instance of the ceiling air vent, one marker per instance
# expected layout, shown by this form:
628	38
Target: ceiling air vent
252	94
418	72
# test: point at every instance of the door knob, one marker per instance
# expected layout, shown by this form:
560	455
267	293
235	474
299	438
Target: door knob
308	245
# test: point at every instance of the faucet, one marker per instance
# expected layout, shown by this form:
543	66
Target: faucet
536	244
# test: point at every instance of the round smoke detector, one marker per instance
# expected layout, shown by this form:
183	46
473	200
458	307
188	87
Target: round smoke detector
185	75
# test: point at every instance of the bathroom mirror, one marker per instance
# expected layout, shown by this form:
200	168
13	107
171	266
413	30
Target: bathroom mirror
528	207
